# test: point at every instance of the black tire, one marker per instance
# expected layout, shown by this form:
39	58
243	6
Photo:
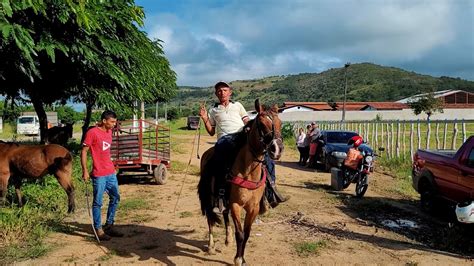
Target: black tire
345	179
361	186
427	197
160	174
327	165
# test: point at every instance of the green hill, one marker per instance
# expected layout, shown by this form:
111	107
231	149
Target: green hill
365	82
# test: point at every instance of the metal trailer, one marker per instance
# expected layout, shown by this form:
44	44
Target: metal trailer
141	147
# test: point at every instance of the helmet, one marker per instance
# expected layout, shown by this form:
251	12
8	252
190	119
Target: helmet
465	212
356	141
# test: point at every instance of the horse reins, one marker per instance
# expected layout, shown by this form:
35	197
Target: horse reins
189	163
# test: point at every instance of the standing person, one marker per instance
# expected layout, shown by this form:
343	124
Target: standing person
307	141
313	145
300	144
98	141
227	119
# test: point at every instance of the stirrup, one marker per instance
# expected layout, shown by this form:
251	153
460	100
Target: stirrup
220	208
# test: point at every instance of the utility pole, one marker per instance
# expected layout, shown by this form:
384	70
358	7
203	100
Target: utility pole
346	66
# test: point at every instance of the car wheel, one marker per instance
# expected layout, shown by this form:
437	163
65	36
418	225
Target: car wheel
160	174
327	165
427	197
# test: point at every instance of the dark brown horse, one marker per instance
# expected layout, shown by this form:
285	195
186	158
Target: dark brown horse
35	161
60	135
247	185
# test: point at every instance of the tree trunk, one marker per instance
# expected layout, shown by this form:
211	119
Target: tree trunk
43	118
87	119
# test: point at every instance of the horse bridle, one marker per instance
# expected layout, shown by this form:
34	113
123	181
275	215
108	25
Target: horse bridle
263	136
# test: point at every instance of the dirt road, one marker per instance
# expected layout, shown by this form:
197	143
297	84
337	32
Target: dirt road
316	226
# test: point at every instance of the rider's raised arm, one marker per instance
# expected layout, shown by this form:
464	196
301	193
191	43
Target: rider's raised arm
206	119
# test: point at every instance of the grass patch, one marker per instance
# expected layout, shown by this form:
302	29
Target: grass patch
185	214
180	168
141	218
306	249
128	205
400	168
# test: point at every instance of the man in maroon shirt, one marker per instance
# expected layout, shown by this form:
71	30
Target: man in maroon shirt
98	141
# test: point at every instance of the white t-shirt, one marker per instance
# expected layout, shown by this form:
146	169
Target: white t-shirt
227	119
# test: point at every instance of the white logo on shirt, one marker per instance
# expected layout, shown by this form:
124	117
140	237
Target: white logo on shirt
105	145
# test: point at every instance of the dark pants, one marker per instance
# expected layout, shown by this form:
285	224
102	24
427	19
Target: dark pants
301	150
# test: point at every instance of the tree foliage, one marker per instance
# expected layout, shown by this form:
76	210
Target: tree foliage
427	104
91	50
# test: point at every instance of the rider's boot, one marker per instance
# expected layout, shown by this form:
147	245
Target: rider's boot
219	205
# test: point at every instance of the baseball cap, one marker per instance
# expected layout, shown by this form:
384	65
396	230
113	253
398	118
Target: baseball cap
313	123
221	84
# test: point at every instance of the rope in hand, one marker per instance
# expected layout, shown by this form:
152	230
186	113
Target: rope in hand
89	211
189	162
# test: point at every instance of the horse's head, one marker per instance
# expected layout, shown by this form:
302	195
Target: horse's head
268	126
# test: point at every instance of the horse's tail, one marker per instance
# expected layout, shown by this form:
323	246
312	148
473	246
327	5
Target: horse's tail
205	197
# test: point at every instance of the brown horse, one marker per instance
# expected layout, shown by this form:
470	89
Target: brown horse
35	161
247	185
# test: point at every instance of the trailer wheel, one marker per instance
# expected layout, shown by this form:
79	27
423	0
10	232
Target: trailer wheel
160	174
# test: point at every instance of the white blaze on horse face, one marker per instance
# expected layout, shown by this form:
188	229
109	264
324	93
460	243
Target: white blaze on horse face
275	152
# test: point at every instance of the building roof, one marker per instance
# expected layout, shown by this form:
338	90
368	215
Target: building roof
436	94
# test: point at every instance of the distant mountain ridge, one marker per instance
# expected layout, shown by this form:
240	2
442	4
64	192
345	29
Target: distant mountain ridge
365	82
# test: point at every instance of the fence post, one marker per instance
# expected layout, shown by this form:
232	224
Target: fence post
398	139
389	151
455	135
411	139
419	134
437	135
445	133
382	136
367	131
404	150
372	141
428	131
463	131
376	135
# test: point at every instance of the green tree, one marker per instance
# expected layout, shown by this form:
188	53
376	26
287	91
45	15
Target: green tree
91	50
427	104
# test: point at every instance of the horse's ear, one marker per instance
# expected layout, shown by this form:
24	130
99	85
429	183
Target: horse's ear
258	107
275	108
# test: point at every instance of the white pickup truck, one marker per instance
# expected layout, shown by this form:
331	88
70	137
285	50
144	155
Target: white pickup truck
28	123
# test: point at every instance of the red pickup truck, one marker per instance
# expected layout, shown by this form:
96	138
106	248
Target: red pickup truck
447	174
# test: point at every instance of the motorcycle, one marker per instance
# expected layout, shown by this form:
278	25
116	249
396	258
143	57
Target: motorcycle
359	176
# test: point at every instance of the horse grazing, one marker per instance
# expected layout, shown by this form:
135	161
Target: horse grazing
60	135
35	161
248	182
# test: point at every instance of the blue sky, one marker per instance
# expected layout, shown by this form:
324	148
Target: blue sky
207	41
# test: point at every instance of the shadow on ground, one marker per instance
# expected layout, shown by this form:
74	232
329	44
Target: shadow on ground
437	232
148	243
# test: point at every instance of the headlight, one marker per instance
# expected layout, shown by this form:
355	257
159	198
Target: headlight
369	159
339	154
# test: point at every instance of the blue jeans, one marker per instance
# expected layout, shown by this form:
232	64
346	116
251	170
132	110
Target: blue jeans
270	167
103	184
225	151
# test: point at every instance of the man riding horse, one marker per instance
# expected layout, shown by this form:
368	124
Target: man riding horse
228	119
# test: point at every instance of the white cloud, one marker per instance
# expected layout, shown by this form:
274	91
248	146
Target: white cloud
250	39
